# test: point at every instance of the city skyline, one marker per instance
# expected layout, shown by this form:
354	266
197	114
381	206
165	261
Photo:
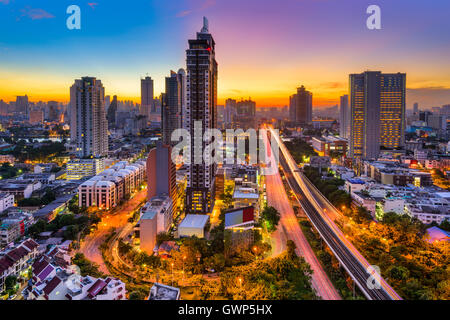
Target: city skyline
273	59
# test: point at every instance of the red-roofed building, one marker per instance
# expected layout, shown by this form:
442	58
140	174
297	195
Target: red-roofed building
17	259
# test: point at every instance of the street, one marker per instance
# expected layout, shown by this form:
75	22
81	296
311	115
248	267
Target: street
117	219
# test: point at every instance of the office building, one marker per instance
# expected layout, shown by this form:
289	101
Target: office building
201	113
300	106
377	104
88	125
344	117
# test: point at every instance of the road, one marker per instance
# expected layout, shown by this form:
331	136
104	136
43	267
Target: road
321	213
276	197
117	219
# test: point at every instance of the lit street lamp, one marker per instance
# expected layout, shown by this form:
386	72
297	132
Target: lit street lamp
240	282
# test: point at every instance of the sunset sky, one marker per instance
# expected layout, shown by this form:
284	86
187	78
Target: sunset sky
264	48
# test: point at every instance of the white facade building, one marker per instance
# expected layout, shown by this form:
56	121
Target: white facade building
109	187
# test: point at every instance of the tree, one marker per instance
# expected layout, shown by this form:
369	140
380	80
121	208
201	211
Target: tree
398	273
290	249
10	283
136	295
163	236
445	225
271	217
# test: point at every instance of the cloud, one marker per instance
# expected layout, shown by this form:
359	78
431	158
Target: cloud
333	85
92	4
205	5
35	13
183	13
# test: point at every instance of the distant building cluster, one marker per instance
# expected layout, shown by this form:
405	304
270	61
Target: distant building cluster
392	187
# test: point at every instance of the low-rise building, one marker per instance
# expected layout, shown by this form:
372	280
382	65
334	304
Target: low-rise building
6	201
14	260
156	217
7	158
19	188
82	168
50	211
161	291
45	178
193	225
327	145
246	197
396	174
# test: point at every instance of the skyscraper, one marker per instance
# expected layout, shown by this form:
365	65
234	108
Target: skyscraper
344	117
245	114
230	111
201	111
300	109
172	105
88	125
53	112
416	108
147	93
377	102
111	115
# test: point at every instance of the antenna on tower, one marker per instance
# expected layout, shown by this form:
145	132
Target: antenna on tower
205	28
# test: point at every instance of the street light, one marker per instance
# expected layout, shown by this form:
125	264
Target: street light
184	258
255	249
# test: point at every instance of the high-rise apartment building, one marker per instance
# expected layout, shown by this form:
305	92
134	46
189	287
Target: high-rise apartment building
36	116
377	104
53	111
201	113
344	117
172	105
22	105
88	125
300	106
147	93
230	111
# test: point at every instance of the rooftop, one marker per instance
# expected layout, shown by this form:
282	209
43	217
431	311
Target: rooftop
160	291
194	221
